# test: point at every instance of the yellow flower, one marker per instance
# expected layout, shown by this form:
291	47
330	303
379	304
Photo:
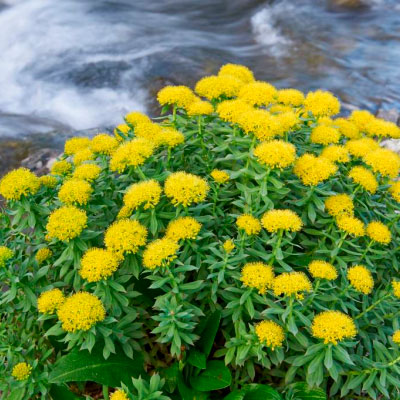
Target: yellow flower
200	107
396	337
324	135
231	110
261	123
336	153
228	246
83	155
171	137
291	283
48	181
365	178
125	236
313	170
75	144
290	97
121	132
61	167
361	118
351	225
380	128
361	279
50	301
270	334
21	371
396	289
186	189
75	191
279	109
98	264
160	252
286	121
5	255
103	144
183	228
384	162
238	71
19	182
333	327
258	275
339	204
347	128
322	270
66	223
136	117
379	232
88	172
146	193
119	395
275	154
288	220
258	93
181	96
131	154
219	176
321	103
394	190
213	87
43	254
249	224
80	312
149	131
361	147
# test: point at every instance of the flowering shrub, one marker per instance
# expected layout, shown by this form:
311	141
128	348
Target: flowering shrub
244	246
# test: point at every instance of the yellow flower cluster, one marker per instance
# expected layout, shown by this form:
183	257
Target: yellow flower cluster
5	255
183	228
259	122
361	147
170	137
249	224
290	97
291	283
88	172
287	220
365	178
396	337
339	204
121	132
237	71
135	117
231	110
219	176
43	254
185	189
200	107
275	154
103	144
324	135
321	104
396	288
21	371
384	162
258	275
395	191
333	327
66	223
361	118
83	155
119	395
379	232
181	96
48	181
75	191
98	264
258	93
76	144
19	182
351	225
313	170
50	301
336	153
62	167
270	333
80	312
160	253
347	128
361	279
228	246
214	87
149	131
322	270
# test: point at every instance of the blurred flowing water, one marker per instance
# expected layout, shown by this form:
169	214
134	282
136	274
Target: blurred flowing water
78	64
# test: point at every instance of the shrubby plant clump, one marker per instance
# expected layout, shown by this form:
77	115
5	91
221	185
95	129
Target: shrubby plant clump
244	246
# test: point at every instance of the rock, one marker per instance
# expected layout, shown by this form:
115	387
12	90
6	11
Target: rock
349	3
392	115
41	161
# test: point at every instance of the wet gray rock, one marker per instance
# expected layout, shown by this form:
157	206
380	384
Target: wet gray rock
354	4
392	115
41	160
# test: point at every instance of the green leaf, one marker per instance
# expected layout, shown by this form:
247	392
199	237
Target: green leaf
254	392
79	366
17	394
215	376
301	391
58	392
197	359
207	332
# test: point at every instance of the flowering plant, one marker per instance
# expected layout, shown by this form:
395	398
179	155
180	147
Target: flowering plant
243	247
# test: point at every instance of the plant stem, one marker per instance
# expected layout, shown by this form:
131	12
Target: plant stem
372	306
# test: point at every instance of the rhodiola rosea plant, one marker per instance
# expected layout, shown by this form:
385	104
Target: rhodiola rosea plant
243	246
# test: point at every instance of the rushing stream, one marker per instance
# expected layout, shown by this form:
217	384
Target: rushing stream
84	63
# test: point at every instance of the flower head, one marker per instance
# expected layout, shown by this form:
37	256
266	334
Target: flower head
186	189
119	395
125	236
351	225
324	135
260	123
361	147
183	228
231	110
43	254
287	220
66	223
149	131
275	154
136	117
160	252
322	270
238	71
62	167
48	181
103	144
395	191
292	97
5	255
361	279
396	337
347	128
361	118
286	121
336	153
122	131
396	288
75	144
228	246
270	333
249	224
171	137
19	182
145	193
384	162
339	204
291	283
364	177
75	191
83	155
80	312
98	264
313	170
380	128
321	103
219	176
379	232
258	93
181	96
258	275
88	172
21	371
50	301
214	87
333	327
200	107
